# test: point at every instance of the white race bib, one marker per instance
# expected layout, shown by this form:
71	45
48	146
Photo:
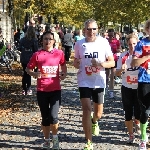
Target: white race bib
90	70
49	71
132	79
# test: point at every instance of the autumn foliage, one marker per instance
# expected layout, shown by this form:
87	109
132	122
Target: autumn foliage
75	12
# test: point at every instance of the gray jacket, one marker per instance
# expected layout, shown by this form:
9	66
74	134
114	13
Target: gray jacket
68	40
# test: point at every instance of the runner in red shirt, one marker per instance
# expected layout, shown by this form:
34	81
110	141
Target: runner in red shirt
48	60
115	47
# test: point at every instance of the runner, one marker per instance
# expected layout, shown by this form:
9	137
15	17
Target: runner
47	61
90	58
115	47
141	58
129	88
28	46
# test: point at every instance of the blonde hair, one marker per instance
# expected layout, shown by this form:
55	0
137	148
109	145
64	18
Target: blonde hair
30	33
132	35
147	25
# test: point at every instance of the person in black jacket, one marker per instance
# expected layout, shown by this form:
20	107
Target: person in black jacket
68	42
28	45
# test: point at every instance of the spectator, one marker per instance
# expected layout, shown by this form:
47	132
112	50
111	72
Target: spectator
68	42
28	45
79	36
56	37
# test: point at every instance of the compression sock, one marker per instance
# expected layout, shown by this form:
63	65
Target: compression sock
143	128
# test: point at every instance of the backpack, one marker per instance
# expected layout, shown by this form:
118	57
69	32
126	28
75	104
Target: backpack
27	50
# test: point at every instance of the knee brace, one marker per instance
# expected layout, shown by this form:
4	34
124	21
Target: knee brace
45	122
128	115
144	115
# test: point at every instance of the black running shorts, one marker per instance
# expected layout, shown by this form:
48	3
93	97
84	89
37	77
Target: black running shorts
97	94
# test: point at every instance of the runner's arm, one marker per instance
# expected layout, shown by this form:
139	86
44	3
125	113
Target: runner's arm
64	69
31	72
109	63
31	65
137	58
76	62
136	62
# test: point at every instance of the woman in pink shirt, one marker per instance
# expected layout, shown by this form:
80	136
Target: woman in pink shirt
48	60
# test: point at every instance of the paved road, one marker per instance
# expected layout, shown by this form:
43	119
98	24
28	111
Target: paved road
21	129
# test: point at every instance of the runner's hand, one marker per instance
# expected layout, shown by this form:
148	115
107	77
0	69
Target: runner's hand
76	63
124	67
38	74
95	62
62	76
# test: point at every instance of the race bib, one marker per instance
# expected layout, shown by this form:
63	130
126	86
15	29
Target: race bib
90	70
132	79
49	71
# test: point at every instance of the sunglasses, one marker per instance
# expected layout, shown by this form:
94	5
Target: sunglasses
90	29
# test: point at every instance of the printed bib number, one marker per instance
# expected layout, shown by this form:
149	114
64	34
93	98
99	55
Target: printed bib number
49	71
131	79
92	70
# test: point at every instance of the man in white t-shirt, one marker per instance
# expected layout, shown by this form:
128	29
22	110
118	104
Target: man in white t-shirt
90	58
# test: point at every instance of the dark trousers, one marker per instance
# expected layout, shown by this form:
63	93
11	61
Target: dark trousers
67	52
49	103
26	79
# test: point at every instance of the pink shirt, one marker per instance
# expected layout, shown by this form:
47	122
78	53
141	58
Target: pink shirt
115	45
48	64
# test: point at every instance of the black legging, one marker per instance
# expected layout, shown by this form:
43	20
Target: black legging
67	52
26	79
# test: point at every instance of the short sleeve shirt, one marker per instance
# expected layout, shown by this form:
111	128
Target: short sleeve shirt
88	76
48	64
129	77
143	49
115	45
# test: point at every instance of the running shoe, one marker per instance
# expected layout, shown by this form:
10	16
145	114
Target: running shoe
142	145
95	127
88	146
117	80
29	92
131	139
46	144
23	92
55	144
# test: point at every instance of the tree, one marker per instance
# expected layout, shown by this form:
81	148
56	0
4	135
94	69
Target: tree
75	12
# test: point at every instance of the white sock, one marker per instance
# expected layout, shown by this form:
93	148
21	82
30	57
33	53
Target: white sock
46	139
55	136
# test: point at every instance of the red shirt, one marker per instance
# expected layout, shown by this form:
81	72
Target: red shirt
48	64
115	45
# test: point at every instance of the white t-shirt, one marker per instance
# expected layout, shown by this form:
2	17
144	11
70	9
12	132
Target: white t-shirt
129	77
88	76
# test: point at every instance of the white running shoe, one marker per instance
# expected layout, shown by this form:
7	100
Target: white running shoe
117	80
46	145
142	145
55	144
